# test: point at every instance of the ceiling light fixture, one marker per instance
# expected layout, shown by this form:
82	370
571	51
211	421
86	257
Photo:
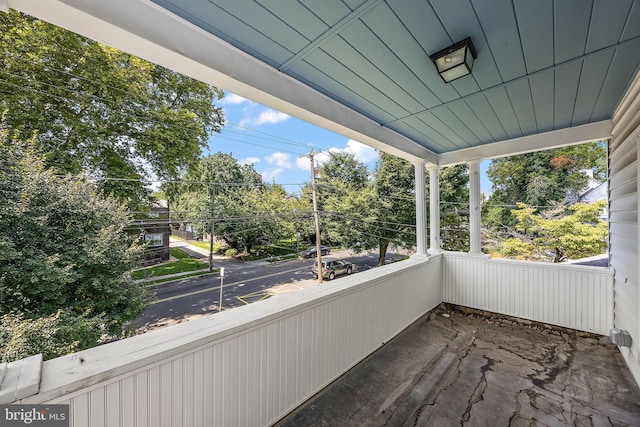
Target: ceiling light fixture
455	61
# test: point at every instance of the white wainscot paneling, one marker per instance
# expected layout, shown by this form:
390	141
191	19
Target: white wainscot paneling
577	297
243	367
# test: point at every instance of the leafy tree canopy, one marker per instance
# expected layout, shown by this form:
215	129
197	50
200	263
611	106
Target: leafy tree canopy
63	246
394	204
195	196
342	179
541	179
97	110
573	232
343	167
454	209
254	212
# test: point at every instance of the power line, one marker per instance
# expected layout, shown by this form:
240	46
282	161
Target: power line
254	144
106	104
268	137
274	138
271	137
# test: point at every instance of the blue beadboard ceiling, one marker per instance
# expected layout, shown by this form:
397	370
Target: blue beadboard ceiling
542	65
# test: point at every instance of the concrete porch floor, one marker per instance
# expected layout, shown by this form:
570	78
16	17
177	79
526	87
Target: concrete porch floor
477	370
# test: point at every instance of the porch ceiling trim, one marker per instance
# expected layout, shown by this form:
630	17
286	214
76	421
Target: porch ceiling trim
527	144
194	52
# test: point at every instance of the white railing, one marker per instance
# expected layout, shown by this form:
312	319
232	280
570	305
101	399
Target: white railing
245	367
252	365
572	296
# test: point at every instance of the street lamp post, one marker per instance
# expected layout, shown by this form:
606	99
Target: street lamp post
221	285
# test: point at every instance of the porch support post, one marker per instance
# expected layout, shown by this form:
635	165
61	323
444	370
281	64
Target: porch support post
434	209
474	207
421	209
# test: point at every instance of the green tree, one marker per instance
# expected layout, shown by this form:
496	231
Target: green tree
96	109
243	207
254	212
52	336
541	179
343	167
454	208
63	248
194	199
352	220
393	205
342	180
576	232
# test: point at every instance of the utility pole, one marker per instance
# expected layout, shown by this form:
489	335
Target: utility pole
211	237
315	217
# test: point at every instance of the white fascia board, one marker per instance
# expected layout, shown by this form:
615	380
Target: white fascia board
528	144
148	31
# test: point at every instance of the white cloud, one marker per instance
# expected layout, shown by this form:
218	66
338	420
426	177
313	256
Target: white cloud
232	99
249	161
303	163
270	116
362	152
270	175
254	115
323	157
281	160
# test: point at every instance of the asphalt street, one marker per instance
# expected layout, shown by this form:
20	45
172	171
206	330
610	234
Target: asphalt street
242	284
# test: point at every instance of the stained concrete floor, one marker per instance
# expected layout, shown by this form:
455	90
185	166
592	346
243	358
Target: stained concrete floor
471	369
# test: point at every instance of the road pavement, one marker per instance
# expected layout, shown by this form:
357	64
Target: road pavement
244	283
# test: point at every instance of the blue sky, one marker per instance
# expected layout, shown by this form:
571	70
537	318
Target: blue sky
275	143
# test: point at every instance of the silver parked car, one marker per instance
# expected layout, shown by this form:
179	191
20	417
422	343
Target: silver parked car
332	268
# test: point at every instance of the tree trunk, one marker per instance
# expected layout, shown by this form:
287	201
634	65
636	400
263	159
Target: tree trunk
559	255
384	244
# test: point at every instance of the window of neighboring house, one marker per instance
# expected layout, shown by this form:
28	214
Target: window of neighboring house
154	239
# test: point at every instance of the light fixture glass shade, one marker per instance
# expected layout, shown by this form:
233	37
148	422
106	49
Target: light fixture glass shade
455	61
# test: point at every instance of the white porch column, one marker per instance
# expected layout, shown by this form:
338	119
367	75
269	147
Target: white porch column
434	209
474	207
421	209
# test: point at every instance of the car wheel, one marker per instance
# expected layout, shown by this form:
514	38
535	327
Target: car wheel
332	275
348	270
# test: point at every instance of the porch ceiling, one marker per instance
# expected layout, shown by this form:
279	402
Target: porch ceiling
362	68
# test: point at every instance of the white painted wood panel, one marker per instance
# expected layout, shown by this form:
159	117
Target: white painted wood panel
250	366
576	297
623	207
243	367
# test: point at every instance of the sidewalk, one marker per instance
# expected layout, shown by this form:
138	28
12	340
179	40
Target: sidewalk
218	260
203	255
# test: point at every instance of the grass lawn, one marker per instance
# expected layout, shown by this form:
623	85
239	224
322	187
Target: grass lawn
171	279
265	251
270	253
183	264
205	245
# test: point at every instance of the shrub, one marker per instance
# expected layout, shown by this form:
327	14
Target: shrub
53	336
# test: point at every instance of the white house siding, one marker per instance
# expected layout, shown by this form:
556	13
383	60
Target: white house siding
243	367
577	297
623	221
